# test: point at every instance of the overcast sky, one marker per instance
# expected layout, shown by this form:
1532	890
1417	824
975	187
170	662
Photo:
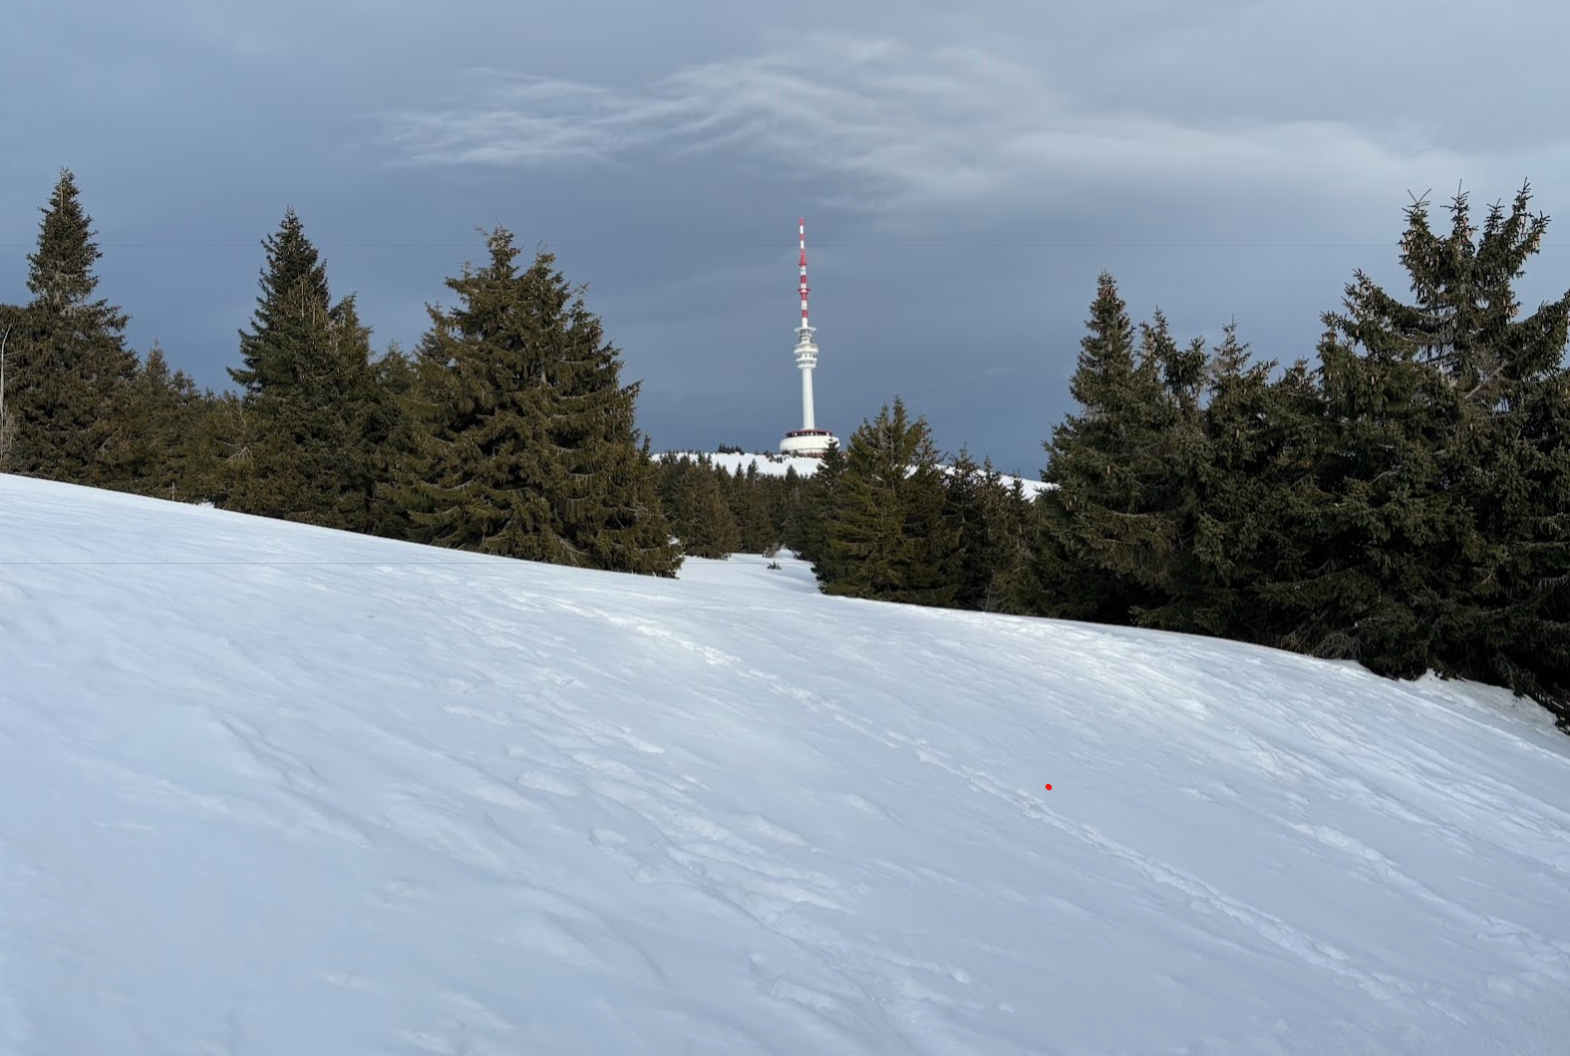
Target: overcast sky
964	176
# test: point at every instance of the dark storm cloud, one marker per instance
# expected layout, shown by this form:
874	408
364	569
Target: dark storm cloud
965	175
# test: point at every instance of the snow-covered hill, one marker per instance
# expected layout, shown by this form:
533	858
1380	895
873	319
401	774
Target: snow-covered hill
768	465
277	791
778	465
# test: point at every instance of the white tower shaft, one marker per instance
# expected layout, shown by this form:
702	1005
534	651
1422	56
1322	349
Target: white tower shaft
806	350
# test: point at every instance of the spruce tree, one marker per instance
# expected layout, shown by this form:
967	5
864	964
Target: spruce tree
807	532
221	449
528	445
993	521
668	478
1105	547
891	535
1011	520
716	532
1377	546
294	304
1172	507
387	436
696	508
66	359
1244	486
310	390
744	493
160	410
965	494
782	495
1474	485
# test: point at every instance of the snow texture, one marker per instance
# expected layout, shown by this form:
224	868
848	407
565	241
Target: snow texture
272	790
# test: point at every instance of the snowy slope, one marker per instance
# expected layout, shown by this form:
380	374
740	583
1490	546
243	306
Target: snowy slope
778	465
768	465
274	791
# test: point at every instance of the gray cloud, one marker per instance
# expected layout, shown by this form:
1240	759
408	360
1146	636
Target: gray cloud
912	125
965	173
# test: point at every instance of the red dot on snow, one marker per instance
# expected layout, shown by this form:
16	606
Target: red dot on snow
1049	788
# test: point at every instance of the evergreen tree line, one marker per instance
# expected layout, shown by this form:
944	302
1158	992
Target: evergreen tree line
1401	502
887	518
507	431
1404	502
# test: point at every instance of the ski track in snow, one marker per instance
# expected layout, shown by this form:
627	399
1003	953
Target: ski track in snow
280	790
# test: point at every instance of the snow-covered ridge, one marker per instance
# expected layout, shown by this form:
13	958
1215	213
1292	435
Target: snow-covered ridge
279	791
777	465
768	463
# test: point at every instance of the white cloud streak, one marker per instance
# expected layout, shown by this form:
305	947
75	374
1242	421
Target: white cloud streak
904	123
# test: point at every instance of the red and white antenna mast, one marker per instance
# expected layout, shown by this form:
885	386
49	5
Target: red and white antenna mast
801	231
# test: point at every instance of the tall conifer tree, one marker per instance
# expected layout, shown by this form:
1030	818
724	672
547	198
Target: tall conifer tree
1244	485
695	508
1462	476
160	410
744	492
66	357
1381	512
783	495
1105	548
529	445
1011	524
891	535
293	306
309	392
992	519
387	435
807	531
1175	423
965	494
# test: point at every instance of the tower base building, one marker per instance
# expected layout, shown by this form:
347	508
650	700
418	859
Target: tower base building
808	443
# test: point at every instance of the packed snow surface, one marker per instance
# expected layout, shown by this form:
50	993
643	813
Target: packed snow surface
271	790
